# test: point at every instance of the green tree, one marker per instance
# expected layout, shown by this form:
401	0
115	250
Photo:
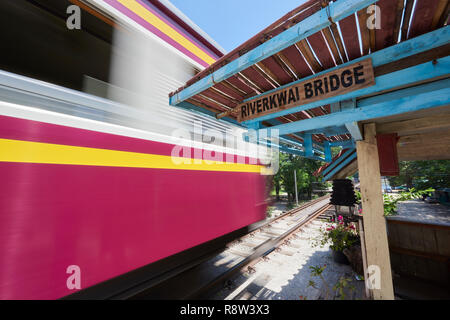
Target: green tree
305	180
423	174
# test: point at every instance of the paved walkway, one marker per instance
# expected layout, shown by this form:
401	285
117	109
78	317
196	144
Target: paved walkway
421	211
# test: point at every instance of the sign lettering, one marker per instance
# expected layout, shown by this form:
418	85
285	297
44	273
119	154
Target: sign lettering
353	77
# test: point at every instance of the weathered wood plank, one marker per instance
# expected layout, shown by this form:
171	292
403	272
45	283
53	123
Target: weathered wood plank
415	126
377	247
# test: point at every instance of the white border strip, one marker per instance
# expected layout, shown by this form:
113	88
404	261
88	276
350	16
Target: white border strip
35	114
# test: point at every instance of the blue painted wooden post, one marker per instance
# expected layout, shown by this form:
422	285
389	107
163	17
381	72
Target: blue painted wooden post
328	156
307	142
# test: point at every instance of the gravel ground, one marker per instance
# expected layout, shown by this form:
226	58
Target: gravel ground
285	275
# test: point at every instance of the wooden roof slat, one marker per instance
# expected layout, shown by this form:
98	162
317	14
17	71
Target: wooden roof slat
267	74
373	46
257	78
221	97
407	19
309	56
398	19
317	42
365	34
441	14
385	35
338	39
203	103
277	71
423	17
286	65
240	83
349	30
333	46
298	62
230	90
211	102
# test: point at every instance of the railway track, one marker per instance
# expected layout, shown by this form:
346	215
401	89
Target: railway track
241	254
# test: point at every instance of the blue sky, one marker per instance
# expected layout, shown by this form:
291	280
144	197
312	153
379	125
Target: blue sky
231	22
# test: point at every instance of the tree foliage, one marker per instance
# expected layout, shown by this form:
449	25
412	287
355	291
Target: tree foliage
305	180
423	174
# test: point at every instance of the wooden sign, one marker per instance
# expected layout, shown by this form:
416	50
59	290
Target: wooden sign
353	77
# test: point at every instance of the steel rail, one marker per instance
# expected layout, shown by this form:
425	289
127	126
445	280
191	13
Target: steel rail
260	252
140	289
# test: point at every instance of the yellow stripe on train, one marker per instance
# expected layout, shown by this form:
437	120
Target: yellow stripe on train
39	152
165	28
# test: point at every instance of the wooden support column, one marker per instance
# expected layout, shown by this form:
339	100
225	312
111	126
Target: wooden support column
376	240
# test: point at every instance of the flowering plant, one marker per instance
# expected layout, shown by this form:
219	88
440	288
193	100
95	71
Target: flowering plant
340	236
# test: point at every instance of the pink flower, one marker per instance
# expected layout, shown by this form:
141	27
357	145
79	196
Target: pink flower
341	222
352	227
340	218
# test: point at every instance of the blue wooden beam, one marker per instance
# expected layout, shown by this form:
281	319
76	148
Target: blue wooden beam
317	147
340	167
331	131
344	144
300	153
337	162
335	11
290	141
353	129
291	151
406	100
399	51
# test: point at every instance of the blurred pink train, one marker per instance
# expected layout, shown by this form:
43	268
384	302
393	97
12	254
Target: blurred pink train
86	138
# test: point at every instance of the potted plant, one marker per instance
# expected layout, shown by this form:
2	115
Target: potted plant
340	236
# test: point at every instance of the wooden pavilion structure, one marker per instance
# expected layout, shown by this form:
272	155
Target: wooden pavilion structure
369	76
